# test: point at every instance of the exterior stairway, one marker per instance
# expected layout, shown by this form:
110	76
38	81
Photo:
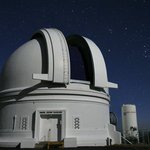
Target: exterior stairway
50	144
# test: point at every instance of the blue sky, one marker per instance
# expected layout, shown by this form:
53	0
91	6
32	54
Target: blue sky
120	28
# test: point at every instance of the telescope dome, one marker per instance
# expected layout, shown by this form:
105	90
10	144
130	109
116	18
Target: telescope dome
19	68
46	57
55	89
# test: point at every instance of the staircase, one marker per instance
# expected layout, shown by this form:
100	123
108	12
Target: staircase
50	144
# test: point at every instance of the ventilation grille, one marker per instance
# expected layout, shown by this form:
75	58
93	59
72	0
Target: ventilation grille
76	123
24	123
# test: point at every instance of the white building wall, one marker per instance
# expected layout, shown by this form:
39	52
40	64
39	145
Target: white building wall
93	119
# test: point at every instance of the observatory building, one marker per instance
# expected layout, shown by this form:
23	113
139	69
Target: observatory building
47	96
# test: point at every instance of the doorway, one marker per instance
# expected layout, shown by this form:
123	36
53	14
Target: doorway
50	126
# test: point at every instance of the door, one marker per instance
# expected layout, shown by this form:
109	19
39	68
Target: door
50	127
53	130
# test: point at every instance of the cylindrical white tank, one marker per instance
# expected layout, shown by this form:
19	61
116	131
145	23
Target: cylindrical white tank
129	121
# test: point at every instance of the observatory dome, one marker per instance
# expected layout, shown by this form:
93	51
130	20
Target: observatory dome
18	70
46	57
55	89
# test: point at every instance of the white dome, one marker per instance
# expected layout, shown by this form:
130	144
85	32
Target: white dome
20	66
46	57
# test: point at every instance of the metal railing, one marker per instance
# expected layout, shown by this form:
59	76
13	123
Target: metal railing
126	140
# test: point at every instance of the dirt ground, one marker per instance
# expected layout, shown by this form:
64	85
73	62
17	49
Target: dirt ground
115	147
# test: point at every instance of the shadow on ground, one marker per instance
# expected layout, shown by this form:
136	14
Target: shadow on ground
114	147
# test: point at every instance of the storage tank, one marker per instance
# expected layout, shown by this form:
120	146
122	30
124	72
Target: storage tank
129	123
